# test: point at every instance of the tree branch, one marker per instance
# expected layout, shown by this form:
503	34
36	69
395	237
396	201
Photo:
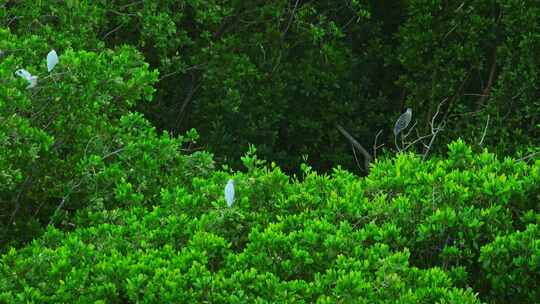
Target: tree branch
487	89
375	146
290	20
485	130
192	89
355	143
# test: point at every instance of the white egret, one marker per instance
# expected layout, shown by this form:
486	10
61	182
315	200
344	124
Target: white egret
32	80
229	193
52	60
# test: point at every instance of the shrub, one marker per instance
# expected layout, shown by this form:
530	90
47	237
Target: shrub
72	141
512	264
446	230
159	256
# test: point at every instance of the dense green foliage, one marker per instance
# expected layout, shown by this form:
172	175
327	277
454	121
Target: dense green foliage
281	74
72	141
109	192
480	57
412	232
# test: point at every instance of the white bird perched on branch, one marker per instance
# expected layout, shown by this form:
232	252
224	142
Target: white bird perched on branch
229	193
403	121
52	60
32	80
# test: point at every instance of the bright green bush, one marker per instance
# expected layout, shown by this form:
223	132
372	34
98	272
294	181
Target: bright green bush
73	141
454	230
512	264
159	256
452	207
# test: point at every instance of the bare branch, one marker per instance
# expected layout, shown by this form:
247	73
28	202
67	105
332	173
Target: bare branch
526	157
404	136
355	143
355	157
130	4
64	199
375	147
475	94
487	89
193	67
419	139
435	129
193	88
113	153
430	144
115	12
112	31
290	19
485	130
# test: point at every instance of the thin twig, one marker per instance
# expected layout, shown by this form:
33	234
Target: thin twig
434	130
475	94
459	7
375	147
430	144
187	100
130	4
112	31
113	153
410	129
355	157
487	89
290	19
88	144
421	138
64	198
122	14
11	20
432	135
526	157
485	130
194	67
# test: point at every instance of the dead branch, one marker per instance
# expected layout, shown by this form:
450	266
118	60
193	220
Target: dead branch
112	31
355	143
485	130
64	199
487	89
403	136
290	19
434	131
526	157
355	157
192	90
375	147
